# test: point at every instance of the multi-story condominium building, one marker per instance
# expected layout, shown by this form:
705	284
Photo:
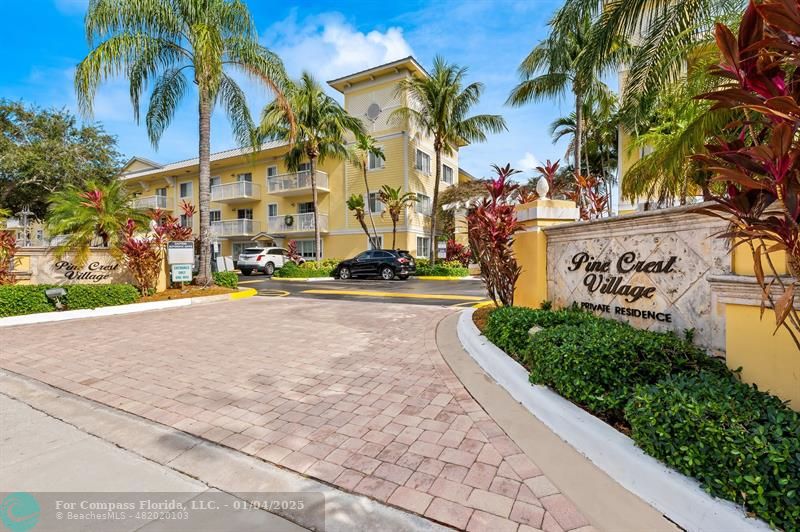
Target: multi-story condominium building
254	196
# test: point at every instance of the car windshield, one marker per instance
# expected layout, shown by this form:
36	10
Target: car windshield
252	251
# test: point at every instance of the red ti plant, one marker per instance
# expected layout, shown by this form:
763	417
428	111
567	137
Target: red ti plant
8	248
758	160
548	172
291	248
492	225
458	252
591	203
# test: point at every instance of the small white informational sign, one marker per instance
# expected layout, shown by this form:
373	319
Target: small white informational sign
181	273
180	252
441	249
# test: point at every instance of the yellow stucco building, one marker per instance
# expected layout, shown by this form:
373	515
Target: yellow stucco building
254	195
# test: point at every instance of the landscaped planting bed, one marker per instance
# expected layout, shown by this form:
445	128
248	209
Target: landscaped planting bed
677	403
308	269
447	268
16	300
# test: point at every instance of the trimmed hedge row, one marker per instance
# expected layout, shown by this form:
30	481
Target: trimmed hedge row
683	407
16	300
307	269
226	279
446	268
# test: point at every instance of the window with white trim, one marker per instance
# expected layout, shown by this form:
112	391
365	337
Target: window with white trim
272	171
423	246
375	162
244	214
307	248
423	205
186	189
161	192
447	174
186	221
248	177
423	162
215	216
375	205
380	242
215	181
272	209
306	207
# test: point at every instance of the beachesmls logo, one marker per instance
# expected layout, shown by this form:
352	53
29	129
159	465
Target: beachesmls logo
20	511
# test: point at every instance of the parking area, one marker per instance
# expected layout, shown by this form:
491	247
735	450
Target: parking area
458	293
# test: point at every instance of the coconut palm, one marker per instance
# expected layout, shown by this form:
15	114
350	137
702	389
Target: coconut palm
362	150
94	214
395	201
438	105
157	43
316	126
355	204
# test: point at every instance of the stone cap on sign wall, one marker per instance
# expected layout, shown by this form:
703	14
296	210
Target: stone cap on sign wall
657	221
745	290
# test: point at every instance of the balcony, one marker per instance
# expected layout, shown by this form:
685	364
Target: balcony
296	184
229	228
300	224
239	192
151	203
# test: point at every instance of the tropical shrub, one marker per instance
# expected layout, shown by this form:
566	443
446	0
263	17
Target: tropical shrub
226	279
740	443
598	364
448	268
8	248
507	327
492	225
758	159
324	268
458	252
16	300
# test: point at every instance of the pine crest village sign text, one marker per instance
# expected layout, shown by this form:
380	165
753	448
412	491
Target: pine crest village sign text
608	277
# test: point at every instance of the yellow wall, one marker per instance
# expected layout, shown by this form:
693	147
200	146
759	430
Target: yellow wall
772	362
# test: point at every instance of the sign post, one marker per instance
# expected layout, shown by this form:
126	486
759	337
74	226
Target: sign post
180	257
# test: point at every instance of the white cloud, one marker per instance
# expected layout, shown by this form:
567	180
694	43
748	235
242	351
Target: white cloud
529	162
72	7
329	47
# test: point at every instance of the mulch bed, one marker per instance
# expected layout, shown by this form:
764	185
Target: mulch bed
188	291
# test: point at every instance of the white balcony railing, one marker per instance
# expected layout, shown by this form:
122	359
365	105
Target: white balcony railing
226	228
241	190
295	181
150	202
296	223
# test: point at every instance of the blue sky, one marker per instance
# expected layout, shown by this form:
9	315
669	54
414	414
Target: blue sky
330	39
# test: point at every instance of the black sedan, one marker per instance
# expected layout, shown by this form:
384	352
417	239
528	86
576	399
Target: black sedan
386	263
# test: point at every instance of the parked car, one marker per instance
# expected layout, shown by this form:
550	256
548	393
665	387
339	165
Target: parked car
387	263
265	260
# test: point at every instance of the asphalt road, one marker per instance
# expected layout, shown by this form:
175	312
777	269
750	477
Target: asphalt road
421	292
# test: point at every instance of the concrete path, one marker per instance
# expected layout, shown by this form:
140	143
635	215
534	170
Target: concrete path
353	394
41	454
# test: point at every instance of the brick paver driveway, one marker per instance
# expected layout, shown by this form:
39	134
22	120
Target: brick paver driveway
354	394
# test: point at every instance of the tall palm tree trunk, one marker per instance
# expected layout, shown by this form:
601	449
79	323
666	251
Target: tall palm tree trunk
204	273
394	231
435	202
314	198
374	236
578	129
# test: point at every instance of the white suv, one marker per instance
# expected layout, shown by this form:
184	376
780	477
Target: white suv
265	260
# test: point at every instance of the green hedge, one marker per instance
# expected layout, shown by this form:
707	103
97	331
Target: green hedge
226	279
740	443
16	300
507	327
446	268
307	269
599	363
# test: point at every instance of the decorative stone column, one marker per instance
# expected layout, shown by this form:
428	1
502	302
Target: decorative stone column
530	246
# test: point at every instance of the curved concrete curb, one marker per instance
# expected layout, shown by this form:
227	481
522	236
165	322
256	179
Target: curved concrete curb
44	317
680	498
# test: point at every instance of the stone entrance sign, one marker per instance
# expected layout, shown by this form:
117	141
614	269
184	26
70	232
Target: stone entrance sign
40	266
649	269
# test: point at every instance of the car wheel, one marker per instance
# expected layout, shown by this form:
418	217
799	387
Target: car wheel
269	269
387	273
344	273
246	271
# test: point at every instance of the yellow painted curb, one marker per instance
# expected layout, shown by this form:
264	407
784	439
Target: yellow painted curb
243	294
299	279
393	294
438	278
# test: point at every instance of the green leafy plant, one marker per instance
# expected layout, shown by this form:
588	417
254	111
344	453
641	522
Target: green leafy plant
226	279
16	300
396	201
307	269
740	443
448	268
598	364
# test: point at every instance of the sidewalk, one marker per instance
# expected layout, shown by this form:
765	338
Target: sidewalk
39	453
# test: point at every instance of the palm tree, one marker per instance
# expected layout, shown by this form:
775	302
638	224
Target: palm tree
552	67
97	211
316	125
396	202
158	42
363	148
355	204
438	105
